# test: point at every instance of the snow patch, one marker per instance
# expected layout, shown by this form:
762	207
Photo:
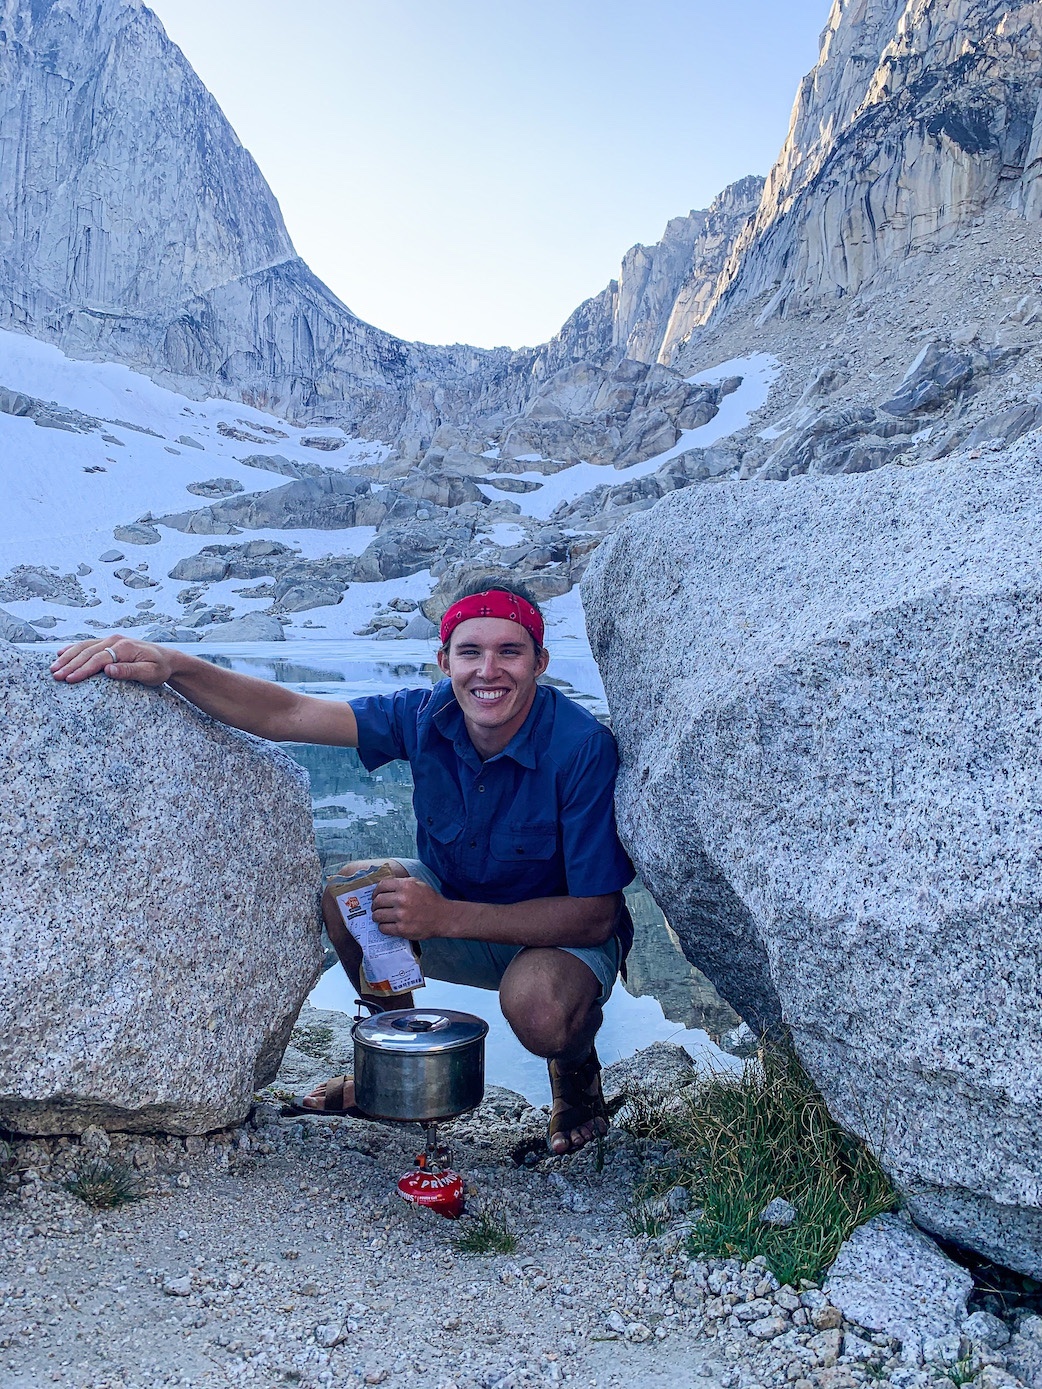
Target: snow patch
758	373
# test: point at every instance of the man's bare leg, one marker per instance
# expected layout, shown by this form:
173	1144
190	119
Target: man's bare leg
349	953
549	998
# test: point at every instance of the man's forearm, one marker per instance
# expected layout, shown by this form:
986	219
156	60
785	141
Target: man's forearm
262	707
542	921
242	701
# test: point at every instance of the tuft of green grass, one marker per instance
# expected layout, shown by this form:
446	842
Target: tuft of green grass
736	1142
645	1220
103	1184
489	1234
962	1372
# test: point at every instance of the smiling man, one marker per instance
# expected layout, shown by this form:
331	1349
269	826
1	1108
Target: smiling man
519	876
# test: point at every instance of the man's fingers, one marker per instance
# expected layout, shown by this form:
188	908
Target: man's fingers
119	657
67	655
85	659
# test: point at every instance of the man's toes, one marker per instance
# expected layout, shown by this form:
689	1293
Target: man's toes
317	1098
596	1128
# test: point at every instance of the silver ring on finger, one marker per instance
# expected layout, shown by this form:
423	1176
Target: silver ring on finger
113	658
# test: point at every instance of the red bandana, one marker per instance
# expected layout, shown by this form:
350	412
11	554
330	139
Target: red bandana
495	602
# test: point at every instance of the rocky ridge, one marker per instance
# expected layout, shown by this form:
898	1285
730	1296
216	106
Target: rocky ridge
902	215
920	115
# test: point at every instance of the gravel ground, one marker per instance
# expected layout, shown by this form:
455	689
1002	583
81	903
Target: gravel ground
280	1254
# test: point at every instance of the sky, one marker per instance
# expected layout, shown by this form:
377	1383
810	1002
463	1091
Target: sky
471	170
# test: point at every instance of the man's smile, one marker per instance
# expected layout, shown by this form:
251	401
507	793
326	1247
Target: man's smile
490	696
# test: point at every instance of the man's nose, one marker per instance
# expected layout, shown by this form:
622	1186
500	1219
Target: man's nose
488	665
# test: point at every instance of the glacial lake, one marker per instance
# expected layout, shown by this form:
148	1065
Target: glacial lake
358	814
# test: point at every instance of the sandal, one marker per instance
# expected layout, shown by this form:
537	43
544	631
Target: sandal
333	1092
578	1100
332	1101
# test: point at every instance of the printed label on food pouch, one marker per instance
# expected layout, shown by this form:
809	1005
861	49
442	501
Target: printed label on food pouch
389	963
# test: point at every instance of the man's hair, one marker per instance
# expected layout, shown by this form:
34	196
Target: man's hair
482	583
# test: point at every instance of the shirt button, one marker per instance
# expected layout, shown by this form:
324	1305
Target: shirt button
473	843
481	788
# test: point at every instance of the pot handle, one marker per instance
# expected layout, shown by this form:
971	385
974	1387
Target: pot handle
374	1008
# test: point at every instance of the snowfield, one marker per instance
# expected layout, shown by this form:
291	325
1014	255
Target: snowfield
65	491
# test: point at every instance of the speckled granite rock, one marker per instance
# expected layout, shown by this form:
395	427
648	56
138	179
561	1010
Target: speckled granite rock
158	908
826	697
890	1277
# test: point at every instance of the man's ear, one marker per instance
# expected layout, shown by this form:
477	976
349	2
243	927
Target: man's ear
542	660
443	660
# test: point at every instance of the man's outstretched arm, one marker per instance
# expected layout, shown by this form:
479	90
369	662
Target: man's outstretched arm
242	701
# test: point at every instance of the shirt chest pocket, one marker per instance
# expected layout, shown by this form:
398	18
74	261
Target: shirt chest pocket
443	824
523	844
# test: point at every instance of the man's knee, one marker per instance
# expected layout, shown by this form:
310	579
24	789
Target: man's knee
540	1024
546	1002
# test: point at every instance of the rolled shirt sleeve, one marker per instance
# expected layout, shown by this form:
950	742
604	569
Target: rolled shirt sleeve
386	726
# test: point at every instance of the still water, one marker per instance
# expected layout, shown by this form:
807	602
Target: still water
358	814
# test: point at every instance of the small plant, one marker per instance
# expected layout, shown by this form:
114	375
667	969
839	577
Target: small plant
645	1219
489	1234
962	1372
314	1039
737	1142
104	1184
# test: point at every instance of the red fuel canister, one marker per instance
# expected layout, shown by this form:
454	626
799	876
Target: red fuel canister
440	1191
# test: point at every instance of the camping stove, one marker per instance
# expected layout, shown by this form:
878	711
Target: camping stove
425	1066
432	1181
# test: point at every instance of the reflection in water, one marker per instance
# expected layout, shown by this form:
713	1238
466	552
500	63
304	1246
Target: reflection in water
360	814
657	966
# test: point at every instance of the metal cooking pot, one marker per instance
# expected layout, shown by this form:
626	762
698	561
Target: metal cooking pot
419	1065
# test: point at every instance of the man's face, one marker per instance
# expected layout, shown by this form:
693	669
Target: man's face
493	666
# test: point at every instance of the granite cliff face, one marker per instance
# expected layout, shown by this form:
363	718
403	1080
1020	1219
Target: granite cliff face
134	227
663	291
920	115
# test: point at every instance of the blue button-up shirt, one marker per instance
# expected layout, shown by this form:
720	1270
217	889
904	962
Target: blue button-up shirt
535	820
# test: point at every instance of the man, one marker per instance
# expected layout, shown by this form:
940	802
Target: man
518	884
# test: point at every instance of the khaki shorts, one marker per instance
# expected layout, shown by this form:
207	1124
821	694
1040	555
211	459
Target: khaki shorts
482	965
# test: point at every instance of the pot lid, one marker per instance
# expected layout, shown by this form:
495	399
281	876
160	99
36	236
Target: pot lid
420	1030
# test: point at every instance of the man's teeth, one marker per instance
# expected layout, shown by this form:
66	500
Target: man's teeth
488	695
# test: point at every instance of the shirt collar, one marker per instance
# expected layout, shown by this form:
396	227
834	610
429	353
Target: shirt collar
451	724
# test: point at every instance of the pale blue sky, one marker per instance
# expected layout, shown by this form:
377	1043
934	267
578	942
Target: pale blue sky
470	170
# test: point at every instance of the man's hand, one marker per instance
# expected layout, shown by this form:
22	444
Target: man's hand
406	907
119	657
